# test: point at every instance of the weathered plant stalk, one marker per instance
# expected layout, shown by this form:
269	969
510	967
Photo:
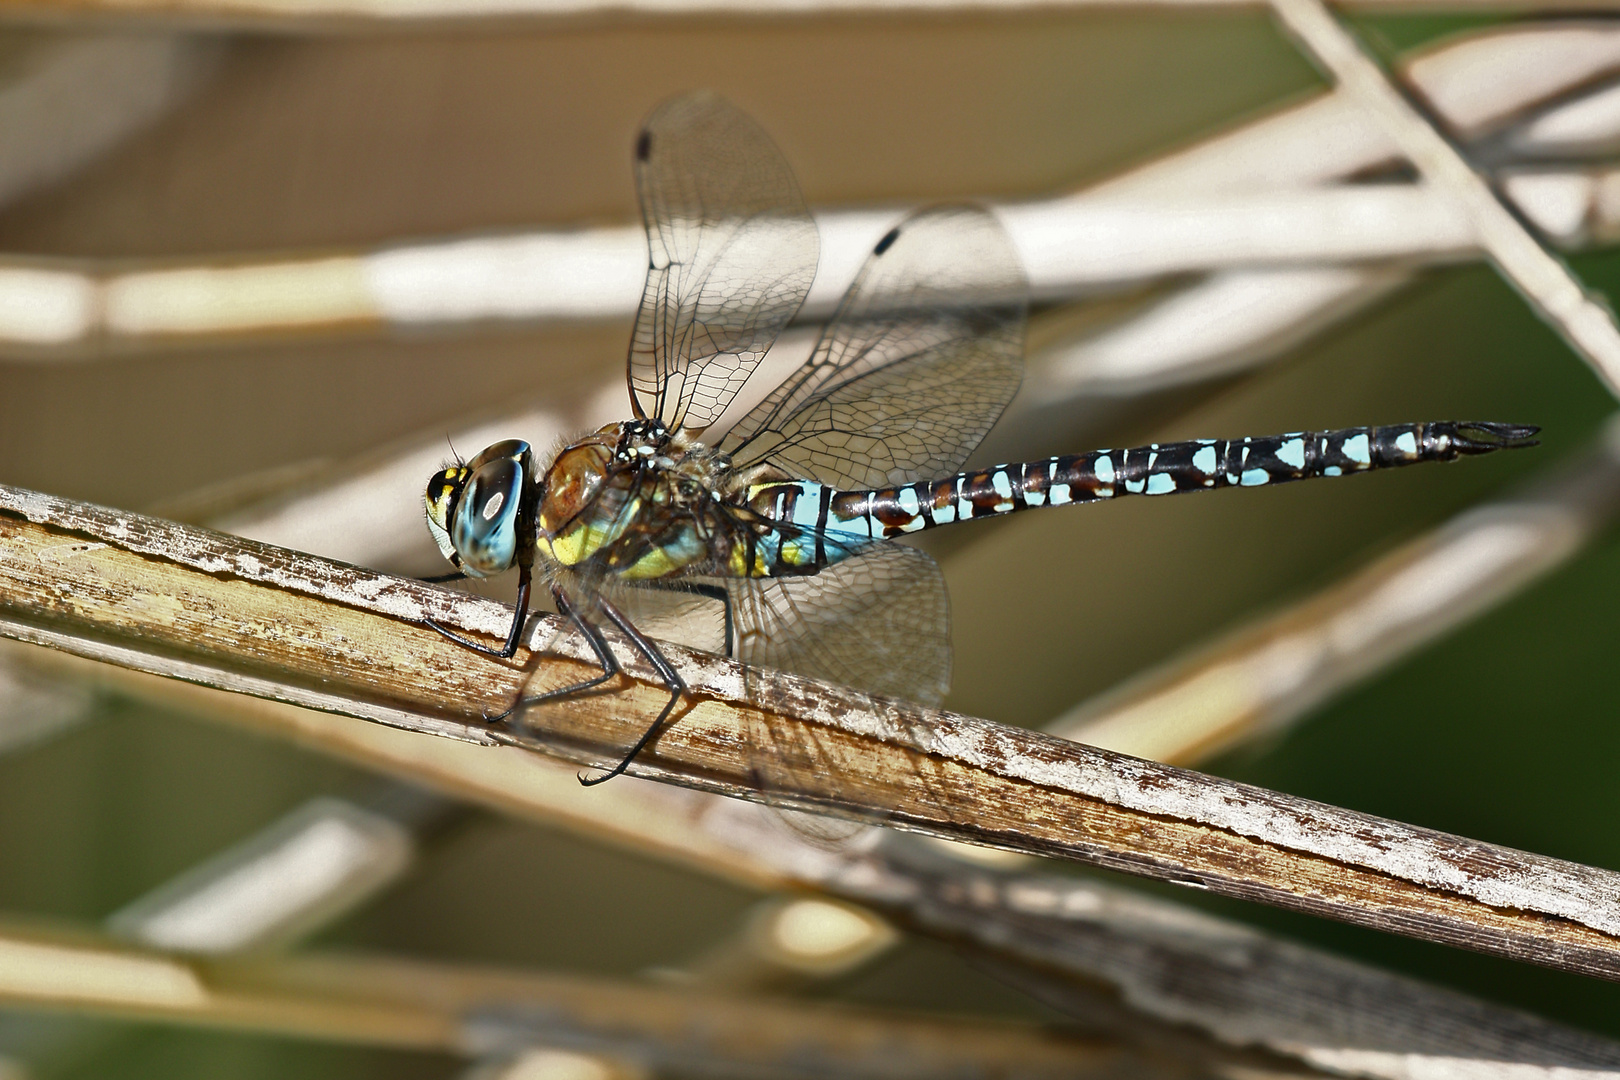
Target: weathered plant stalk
474	1011
1166	971
207	608
1581	317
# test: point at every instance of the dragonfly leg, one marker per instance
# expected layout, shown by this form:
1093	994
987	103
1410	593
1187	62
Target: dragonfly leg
519	620
599	645
719	595
440	579
666	671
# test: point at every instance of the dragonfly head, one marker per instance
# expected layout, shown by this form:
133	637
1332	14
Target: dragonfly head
473	510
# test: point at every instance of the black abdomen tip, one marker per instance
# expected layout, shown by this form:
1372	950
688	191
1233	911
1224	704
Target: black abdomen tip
643	146
1483	436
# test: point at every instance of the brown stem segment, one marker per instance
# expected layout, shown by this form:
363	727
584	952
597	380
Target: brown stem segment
212	609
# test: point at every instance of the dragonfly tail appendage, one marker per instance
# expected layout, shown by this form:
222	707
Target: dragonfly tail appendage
1483	436
1168	469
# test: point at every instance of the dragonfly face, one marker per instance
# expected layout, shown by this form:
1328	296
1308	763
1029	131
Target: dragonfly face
475	511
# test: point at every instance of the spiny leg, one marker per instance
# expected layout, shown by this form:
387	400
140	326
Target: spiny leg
666	671
519	619
599	645
440	579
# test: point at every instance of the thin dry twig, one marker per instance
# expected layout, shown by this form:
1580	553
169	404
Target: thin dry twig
386	1001
1068	246
1480	85
1583	319
304	871
207	608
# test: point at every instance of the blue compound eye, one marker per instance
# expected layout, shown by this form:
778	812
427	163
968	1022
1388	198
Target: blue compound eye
485	528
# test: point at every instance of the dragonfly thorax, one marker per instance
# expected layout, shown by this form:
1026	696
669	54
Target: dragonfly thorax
639	440
573	481
623	493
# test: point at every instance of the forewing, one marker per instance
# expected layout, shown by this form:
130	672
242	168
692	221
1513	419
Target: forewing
731	254
924	353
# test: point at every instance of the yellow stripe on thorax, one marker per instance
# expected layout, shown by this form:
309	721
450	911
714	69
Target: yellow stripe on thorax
676	551
588	535
656	563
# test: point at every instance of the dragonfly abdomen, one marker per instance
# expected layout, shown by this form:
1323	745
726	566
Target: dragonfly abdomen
1157	469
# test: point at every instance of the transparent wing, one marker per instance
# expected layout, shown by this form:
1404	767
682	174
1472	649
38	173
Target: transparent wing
879	622
921	358
672	613
731	254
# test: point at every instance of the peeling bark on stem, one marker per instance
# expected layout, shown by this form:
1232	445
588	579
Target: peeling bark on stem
212	609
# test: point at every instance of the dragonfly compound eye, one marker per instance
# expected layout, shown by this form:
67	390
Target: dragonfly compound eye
571	484
484	529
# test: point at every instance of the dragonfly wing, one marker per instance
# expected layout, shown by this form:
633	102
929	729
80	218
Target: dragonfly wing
924	353
677	613
879	622
731	254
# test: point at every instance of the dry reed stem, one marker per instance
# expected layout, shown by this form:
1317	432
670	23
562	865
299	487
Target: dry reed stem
1179	971
418	1005
1583	320
228	613
1241	199
1069	246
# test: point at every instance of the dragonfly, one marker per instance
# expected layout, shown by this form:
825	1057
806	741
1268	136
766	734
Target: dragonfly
789	518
